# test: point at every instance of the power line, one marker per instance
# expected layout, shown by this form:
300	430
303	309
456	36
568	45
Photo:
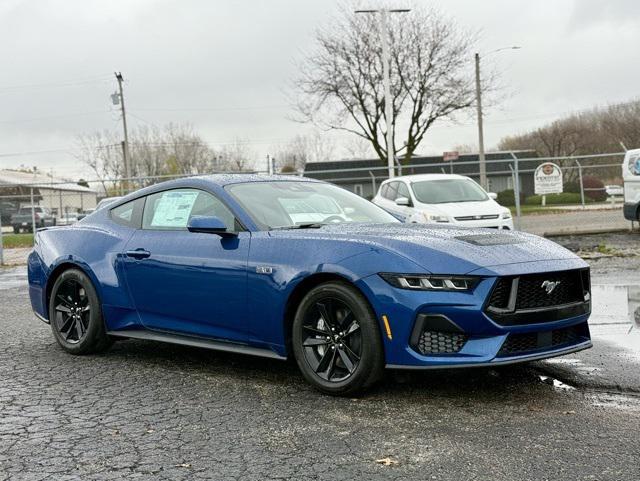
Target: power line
61	83
51	117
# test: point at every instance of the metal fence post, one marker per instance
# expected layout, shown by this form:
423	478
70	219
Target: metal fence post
516	188
1	244
33	213
373	184
581	184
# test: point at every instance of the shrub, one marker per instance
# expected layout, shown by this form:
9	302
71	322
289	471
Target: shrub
555	199
508	198
572	187
591	182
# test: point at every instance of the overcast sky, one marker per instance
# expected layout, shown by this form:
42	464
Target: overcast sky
224	66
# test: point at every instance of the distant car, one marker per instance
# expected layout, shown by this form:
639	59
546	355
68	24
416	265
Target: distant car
85	213
7	209
68	218
614	190
223	262
107	201
23	219
442	199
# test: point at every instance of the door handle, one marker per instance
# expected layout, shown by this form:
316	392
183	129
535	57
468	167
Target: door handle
138	254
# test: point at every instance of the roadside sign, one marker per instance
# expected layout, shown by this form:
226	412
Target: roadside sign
547	179
449	156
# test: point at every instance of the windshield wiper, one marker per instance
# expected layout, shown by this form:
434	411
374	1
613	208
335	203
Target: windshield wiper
310	225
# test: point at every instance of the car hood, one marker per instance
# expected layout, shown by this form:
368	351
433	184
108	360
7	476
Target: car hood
441	249
463	209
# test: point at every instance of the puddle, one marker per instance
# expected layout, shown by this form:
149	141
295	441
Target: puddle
615	314
12	277
615	401
557	384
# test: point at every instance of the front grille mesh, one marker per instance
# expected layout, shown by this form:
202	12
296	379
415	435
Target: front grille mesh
532	341
435	342
531	294
571	288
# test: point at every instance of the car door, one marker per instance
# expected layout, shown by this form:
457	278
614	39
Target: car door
186	282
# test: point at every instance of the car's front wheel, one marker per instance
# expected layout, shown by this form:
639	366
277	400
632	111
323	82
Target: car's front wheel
76	315
336	340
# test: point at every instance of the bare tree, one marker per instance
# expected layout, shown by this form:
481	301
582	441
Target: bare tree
102	153
175	149
596	131
236	156
295	154
340	83
357	147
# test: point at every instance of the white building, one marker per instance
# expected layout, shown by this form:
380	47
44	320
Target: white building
56	194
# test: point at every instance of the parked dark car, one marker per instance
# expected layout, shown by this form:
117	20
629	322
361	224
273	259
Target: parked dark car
22	220
7	209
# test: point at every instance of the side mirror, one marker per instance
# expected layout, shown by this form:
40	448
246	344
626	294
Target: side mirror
209	225
404	201
492	195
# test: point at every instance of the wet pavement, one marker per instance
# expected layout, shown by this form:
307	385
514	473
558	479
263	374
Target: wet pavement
153	411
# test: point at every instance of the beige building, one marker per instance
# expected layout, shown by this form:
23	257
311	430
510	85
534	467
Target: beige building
59	195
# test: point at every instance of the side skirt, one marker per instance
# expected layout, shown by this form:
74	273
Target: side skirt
197	342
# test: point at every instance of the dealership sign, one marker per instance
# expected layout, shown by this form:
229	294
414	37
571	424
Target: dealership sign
548	179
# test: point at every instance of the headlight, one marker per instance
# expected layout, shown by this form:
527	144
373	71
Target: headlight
506	214
434	217
430	283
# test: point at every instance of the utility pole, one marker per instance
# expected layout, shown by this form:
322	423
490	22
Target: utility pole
383	25
481	157
127	157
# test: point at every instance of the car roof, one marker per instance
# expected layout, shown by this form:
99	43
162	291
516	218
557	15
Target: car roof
202	181
423	177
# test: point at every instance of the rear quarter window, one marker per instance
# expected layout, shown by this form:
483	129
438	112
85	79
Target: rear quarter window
128	214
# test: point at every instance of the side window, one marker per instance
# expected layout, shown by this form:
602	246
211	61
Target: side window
128	214
383	190
392	190
403	190
172	209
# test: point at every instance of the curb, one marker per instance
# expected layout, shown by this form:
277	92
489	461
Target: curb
627	230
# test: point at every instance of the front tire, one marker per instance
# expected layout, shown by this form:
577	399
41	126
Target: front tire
75	314
336	340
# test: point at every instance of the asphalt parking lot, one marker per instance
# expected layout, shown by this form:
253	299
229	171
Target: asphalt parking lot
153	412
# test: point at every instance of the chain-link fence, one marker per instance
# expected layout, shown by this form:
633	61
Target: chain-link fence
585	205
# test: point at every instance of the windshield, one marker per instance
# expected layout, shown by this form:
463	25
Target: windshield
448	190
285	204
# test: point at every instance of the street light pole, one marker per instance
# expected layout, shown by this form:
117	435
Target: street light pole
383	25
126	155
481	157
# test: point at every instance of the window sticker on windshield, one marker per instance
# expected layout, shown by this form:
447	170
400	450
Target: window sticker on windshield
173	209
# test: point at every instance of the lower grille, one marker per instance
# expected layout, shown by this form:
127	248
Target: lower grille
534	341
434	342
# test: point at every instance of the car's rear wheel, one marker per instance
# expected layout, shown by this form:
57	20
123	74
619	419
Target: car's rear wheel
75	314
336	340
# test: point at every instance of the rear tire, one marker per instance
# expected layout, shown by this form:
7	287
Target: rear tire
336	340
75	314
16	229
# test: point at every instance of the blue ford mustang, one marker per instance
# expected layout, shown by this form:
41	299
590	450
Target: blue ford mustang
292	267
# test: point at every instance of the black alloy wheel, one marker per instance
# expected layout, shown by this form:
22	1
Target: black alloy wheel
332	339
75	314
73	311
336	340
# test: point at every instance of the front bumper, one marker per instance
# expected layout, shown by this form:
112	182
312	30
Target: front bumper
485	342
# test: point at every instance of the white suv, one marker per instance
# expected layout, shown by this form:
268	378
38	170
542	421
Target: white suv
443	199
